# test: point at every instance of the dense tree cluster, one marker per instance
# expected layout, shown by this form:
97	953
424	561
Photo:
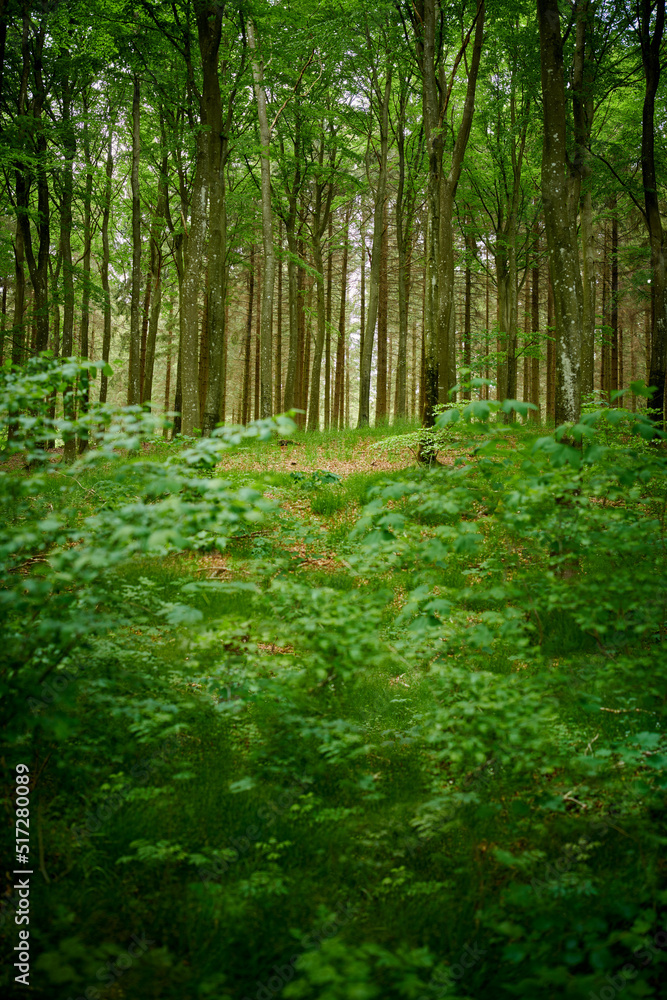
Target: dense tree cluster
255	207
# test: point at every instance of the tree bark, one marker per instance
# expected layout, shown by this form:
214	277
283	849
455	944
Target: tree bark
37	266
321	216
651	48
376	253
381	396
104	269
327	337
440	348
267	227
134	366
583	110
561	232
245	400
338	401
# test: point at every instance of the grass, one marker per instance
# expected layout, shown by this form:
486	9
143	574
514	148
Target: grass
340	778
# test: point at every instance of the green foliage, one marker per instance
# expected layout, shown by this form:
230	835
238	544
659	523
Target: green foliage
434	769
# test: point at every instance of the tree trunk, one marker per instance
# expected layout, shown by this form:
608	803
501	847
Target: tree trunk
339	402
651	48
37	266
87	234
104	270
440	363
613	380
535	327
583	110
321	217
267	227
209	30
378	231
381	396
279	325
551	355
245	400
327	338
561	232
167	380
134	370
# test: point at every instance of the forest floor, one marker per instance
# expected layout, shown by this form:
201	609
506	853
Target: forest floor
383	744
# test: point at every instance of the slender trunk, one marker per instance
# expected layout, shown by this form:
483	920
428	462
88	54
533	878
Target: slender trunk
362	293
535	327
605	350
267	226
613	379
153	323
3	326
258	332
87	234
245	400
154	289
401	365
215	144
561	232
18	329
338	403
381	400
104	270
204	355
651	48
314	410
87	247
582	90
327	338
440	366
37	266
293	273
134	379
527	327
551	356
145	312
321	219
300	338
378	231
167	380
279	324
307	340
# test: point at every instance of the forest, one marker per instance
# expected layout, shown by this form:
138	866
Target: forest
333	491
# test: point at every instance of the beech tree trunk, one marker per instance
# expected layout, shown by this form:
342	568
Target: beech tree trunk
209	29
651	48
104	268
376	253
561	232
338	400
440	346
266	401
381	396
134	365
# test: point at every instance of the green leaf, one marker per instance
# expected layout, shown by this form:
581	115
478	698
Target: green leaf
448	417
641	389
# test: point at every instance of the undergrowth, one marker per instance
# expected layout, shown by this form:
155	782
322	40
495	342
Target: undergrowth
408	742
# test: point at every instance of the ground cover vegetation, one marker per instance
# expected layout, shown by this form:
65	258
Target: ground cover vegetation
299	708
336	734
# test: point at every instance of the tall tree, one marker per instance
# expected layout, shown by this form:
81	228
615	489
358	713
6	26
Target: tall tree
560	225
